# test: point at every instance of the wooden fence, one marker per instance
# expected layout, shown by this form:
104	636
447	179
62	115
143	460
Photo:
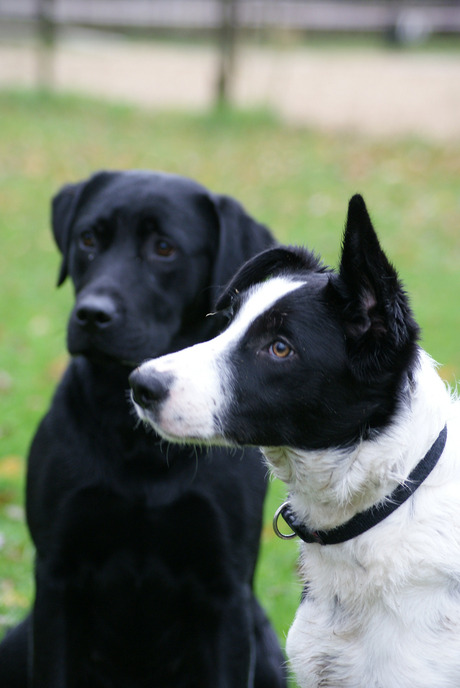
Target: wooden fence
310	15
405	19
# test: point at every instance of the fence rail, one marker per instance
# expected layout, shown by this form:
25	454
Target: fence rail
311	15
404	21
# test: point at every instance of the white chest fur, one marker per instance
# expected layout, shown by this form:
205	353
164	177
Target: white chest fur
382	610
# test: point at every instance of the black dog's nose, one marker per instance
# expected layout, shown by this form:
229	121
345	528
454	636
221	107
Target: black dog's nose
149	388
95	312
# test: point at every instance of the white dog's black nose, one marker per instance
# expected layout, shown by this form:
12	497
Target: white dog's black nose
149	387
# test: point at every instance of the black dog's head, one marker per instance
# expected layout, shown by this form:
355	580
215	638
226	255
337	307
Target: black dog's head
312	358
147	253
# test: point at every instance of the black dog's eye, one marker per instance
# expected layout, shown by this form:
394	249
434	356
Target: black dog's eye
280	349
164	249
159	247
88	239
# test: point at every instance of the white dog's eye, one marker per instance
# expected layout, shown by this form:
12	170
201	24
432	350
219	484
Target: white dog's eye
280	349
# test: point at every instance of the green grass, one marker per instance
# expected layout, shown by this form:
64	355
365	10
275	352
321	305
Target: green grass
296	181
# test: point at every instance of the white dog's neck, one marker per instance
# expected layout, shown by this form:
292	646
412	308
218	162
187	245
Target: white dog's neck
328	487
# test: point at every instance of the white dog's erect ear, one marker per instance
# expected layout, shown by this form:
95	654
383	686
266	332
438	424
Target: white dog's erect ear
365	271
377	317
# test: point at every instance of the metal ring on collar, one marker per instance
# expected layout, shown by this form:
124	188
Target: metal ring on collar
278	513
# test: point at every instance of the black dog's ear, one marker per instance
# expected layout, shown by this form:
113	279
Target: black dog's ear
65	206
240	238
269	263
378	320
63	209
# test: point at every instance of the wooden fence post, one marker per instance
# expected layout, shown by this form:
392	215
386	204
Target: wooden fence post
227	48
46	35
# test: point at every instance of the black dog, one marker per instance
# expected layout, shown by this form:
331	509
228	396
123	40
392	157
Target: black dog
145	552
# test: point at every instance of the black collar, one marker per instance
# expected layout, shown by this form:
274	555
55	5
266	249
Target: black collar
369	518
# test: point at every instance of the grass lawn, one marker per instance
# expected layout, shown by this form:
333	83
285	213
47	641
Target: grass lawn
296	181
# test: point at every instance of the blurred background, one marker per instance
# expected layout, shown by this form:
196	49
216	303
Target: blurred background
289	105
193	54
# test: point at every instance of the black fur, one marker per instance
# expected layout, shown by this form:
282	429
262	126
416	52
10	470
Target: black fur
145	552
270	263
378	319
353	340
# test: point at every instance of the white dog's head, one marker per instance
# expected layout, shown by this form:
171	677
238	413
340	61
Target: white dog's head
188	396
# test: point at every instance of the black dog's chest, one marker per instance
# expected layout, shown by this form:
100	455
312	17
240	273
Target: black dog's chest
105	538
157	565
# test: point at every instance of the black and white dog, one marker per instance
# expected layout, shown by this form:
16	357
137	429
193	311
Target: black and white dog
322	369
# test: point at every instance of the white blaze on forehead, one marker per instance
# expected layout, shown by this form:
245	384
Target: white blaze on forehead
259	299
